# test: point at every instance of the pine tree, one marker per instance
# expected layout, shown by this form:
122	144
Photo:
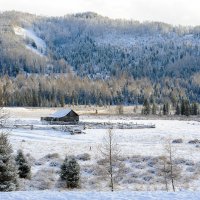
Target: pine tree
63	168
182	107
24	169
166	109
194	109
8	172
178	110
70	172
187	108
146	107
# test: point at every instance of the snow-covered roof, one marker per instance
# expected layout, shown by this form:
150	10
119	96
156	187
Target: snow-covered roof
61	113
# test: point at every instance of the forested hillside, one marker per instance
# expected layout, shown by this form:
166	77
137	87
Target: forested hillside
89	59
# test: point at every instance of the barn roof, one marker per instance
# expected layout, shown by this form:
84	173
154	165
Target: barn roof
61	113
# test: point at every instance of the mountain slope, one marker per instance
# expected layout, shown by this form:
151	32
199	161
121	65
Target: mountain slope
126	56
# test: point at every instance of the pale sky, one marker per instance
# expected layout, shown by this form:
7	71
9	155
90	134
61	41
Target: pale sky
184	12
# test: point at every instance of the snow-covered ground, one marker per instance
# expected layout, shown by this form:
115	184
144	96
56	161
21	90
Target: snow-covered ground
147	142
40	48
99	196
140	149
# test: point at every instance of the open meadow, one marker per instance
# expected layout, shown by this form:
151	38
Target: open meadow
141	150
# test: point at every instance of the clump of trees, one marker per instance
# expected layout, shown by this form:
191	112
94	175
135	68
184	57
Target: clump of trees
183	108
187	108
70	172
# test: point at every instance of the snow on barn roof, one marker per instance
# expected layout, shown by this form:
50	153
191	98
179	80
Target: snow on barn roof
61	113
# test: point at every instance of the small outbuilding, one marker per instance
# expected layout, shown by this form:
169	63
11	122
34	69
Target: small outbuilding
64	116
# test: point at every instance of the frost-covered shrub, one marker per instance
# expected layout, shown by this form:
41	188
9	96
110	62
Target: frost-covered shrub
54	164
31	160
189	163
44	179
177	141
102	161
129	180
88	169
39	162
151	171
151	163
147	178
139	166
136	159
180	161
195	141
83	157
52	156
190	169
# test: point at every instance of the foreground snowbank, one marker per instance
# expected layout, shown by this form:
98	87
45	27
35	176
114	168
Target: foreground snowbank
47	195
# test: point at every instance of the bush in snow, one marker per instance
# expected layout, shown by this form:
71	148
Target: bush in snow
83	157
8	172
70	172
54	164
195	141
44	179
24	169
52	155
177	141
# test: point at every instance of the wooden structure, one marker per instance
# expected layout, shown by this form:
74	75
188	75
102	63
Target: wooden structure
65	116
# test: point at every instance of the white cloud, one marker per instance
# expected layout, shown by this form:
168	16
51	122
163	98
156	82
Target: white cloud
185	12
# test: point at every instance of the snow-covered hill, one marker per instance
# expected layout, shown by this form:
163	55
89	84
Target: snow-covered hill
33	42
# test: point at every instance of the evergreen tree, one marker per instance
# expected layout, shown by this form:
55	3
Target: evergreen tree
166	109
70	172
178	110
63	168
146	107
194	109
8	172
183	107
24	169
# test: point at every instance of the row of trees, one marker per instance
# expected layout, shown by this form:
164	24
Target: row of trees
58	90
183	108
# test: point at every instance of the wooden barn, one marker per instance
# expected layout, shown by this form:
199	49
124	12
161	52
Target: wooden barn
64	116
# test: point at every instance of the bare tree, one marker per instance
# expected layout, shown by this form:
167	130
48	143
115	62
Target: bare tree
109	151
165	172
3	117
170	170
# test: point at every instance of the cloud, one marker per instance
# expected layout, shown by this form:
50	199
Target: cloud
185	12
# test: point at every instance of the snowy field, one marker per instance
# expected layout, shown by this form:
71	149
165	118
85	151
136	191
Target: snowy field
46	148
99	196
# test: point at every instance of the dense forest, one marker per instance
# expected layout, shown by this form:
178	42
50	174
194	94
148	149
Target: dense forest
89	59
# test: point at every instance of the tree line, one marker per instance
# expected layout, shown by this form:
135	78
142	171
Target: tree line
183	107
58	90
